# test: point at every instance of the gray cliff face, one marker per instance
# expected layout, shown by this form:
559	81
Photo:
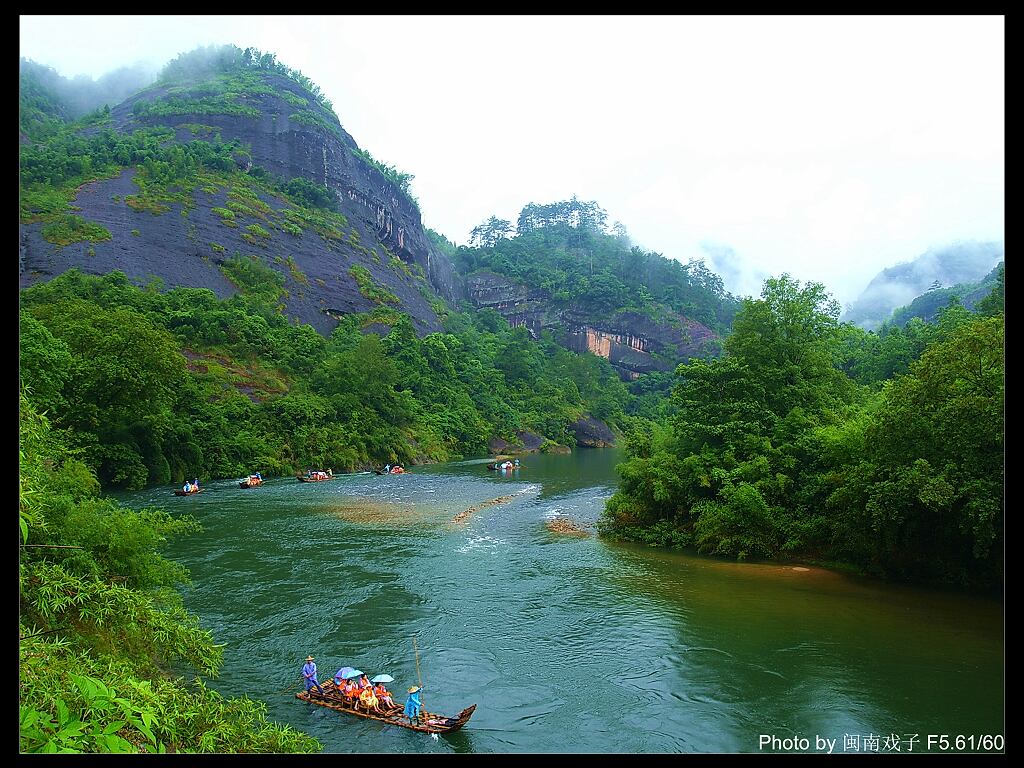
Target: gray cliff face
176	247
289	148
633	343
511	300
185	248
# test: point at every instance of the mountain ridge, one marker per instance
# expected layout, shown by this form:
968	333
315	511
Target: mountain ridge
191	227
897	286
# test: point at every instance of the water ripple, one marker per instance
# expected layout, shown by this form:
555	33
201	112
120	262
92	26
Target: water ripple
588	647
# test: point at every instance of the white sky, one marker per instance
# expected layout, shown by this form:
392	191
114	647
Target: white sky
828	147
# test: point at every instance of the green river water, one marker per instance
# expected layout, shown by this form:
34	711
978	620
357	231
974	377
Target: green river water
566	644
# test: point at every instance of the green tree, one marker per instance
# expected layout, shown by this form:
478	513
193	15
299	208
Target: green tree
725	474
487	234
926	499
126	376
100	622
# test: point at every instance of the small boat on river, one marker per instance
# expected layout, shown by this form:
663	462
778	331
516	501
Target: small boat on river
251	481
315	476
427	722
180	492
503	466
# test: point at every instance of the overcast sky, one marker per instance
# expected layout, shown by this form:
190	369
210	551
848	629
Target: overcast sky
828	147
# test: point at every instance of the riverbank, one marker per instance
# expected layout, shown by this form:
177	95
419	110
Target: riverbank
665	537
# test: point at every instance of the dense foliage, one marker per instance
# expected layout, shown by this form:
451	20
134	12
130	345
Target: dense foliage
101	624
203	62
155	387
52	171
818	439
41	112
566	252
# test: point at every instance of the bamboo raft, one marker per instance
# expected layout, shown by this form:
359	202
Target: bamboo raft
497	467
180	492
428	722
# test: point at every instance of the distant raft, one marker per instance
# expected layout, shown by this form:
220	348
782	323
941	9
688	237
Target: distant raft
251	481
503	466
315	476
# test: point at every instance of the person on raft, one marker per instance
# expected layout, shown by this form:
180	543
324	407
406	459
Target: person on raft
350	691
368	700
413	705
309	674
384	696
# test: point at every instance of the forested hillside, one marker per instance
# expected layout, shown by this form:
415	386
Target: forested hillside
218	280
928	305
562	268
937	268
815	438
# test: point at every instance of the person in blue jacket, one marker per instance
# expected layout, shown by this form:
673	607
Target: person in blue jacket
309	675
413	705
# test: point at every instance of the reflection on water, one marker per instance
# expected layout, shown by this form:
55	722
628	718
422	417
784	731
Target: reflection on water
566	643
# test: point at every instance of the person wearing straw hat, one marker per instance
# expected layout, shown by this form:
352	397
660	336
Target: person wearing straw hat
413	705
309	673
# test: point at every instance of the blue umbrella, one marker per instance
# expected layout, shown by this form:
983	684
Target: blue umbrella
351	673
342	672
382	679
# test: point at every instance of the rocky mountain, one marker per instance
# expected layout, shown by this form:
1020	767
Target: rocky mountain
365	251
937	268
289	135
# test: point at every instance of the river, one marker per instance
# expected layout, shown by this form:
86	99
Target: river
566	643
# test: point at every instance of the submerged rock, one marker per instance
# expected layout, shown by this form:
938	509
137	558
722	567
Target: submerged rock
567	527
